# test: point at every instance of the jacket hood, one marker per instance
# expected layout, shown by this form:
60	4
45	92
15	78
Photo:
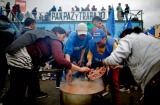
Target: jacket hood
25	30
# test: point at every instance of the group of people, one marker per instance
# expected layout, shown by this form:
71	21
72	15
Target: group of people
30	49
33	53
15	11
121	13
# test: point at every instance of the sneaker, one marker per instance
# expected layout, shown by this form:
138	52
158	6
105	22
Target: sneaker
4	91
57	87
131	86
105	93
135	88
124	90
42	94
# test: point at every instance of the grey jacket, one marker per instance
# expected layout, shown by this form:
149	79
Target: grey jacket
28	38
141	52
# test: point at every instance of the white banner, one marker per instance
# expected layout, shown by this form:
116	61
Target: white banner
77	16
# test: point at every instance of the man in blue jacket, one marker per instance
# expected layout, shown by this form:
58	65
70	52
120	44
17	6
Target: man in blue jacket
76	45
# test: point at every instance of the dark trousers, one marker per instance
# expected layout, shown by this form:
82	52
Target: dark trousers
7	13
20	80
3	73
58	78
13	16
152	91
126	78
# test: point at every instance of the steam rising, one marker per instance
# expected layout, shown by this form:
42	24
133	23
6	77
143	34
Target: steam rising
79	86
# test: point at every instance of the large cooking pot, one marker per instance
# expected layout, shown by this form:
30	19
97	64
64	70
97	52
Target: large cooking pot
81	93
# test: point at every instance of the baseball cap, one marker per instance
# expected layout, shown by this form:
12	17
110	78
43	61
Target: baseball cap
98	34
82	29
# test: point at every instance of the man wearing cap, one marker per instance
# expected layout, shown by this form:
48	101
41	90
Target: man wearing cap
100	48
76	45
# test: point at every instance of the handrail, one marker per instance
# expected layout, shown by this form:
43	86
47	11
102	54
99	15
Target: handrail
16	29
10	18
46	16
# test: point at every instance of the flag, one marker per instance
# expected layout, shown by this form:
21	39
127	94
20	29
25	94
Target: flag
146	32
110	24
152	31
128	25
125	25
0	11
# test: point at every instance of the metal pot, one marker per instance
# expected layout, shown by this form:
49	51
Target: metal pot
81	99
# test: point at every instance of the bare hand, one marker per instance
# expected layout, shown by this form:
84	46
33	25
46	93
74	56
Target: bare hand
116	67
47	66
74	62
85	69
79	62
88	64
69	77
103	62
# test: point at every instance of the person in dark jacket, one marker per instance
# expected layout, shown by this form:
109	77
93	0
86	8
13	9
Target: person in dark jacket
126	12
53	9
30	24
34	13
8	9
19	13
14	11
6	38
27	53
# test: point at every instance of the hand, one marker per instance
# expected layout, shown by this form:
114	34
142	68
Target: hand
108	69
88	64
79	62
103	62
74	62
69	77
47	66
85	69
116	67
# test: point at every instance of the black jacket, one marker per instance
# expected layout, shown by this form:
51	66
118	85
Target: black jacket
6	36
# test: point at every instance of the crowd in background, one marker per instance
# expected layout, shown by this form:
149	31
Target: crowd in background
16	11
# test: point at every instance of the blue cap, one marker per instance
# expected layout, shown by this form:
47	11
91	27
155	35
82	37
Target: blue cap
98	34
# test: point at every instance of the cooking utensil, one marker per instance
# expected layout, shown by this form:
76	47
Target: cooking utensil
81	92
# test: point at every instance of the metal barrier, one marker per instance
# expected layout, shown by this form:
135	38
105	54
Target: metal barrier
136	15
